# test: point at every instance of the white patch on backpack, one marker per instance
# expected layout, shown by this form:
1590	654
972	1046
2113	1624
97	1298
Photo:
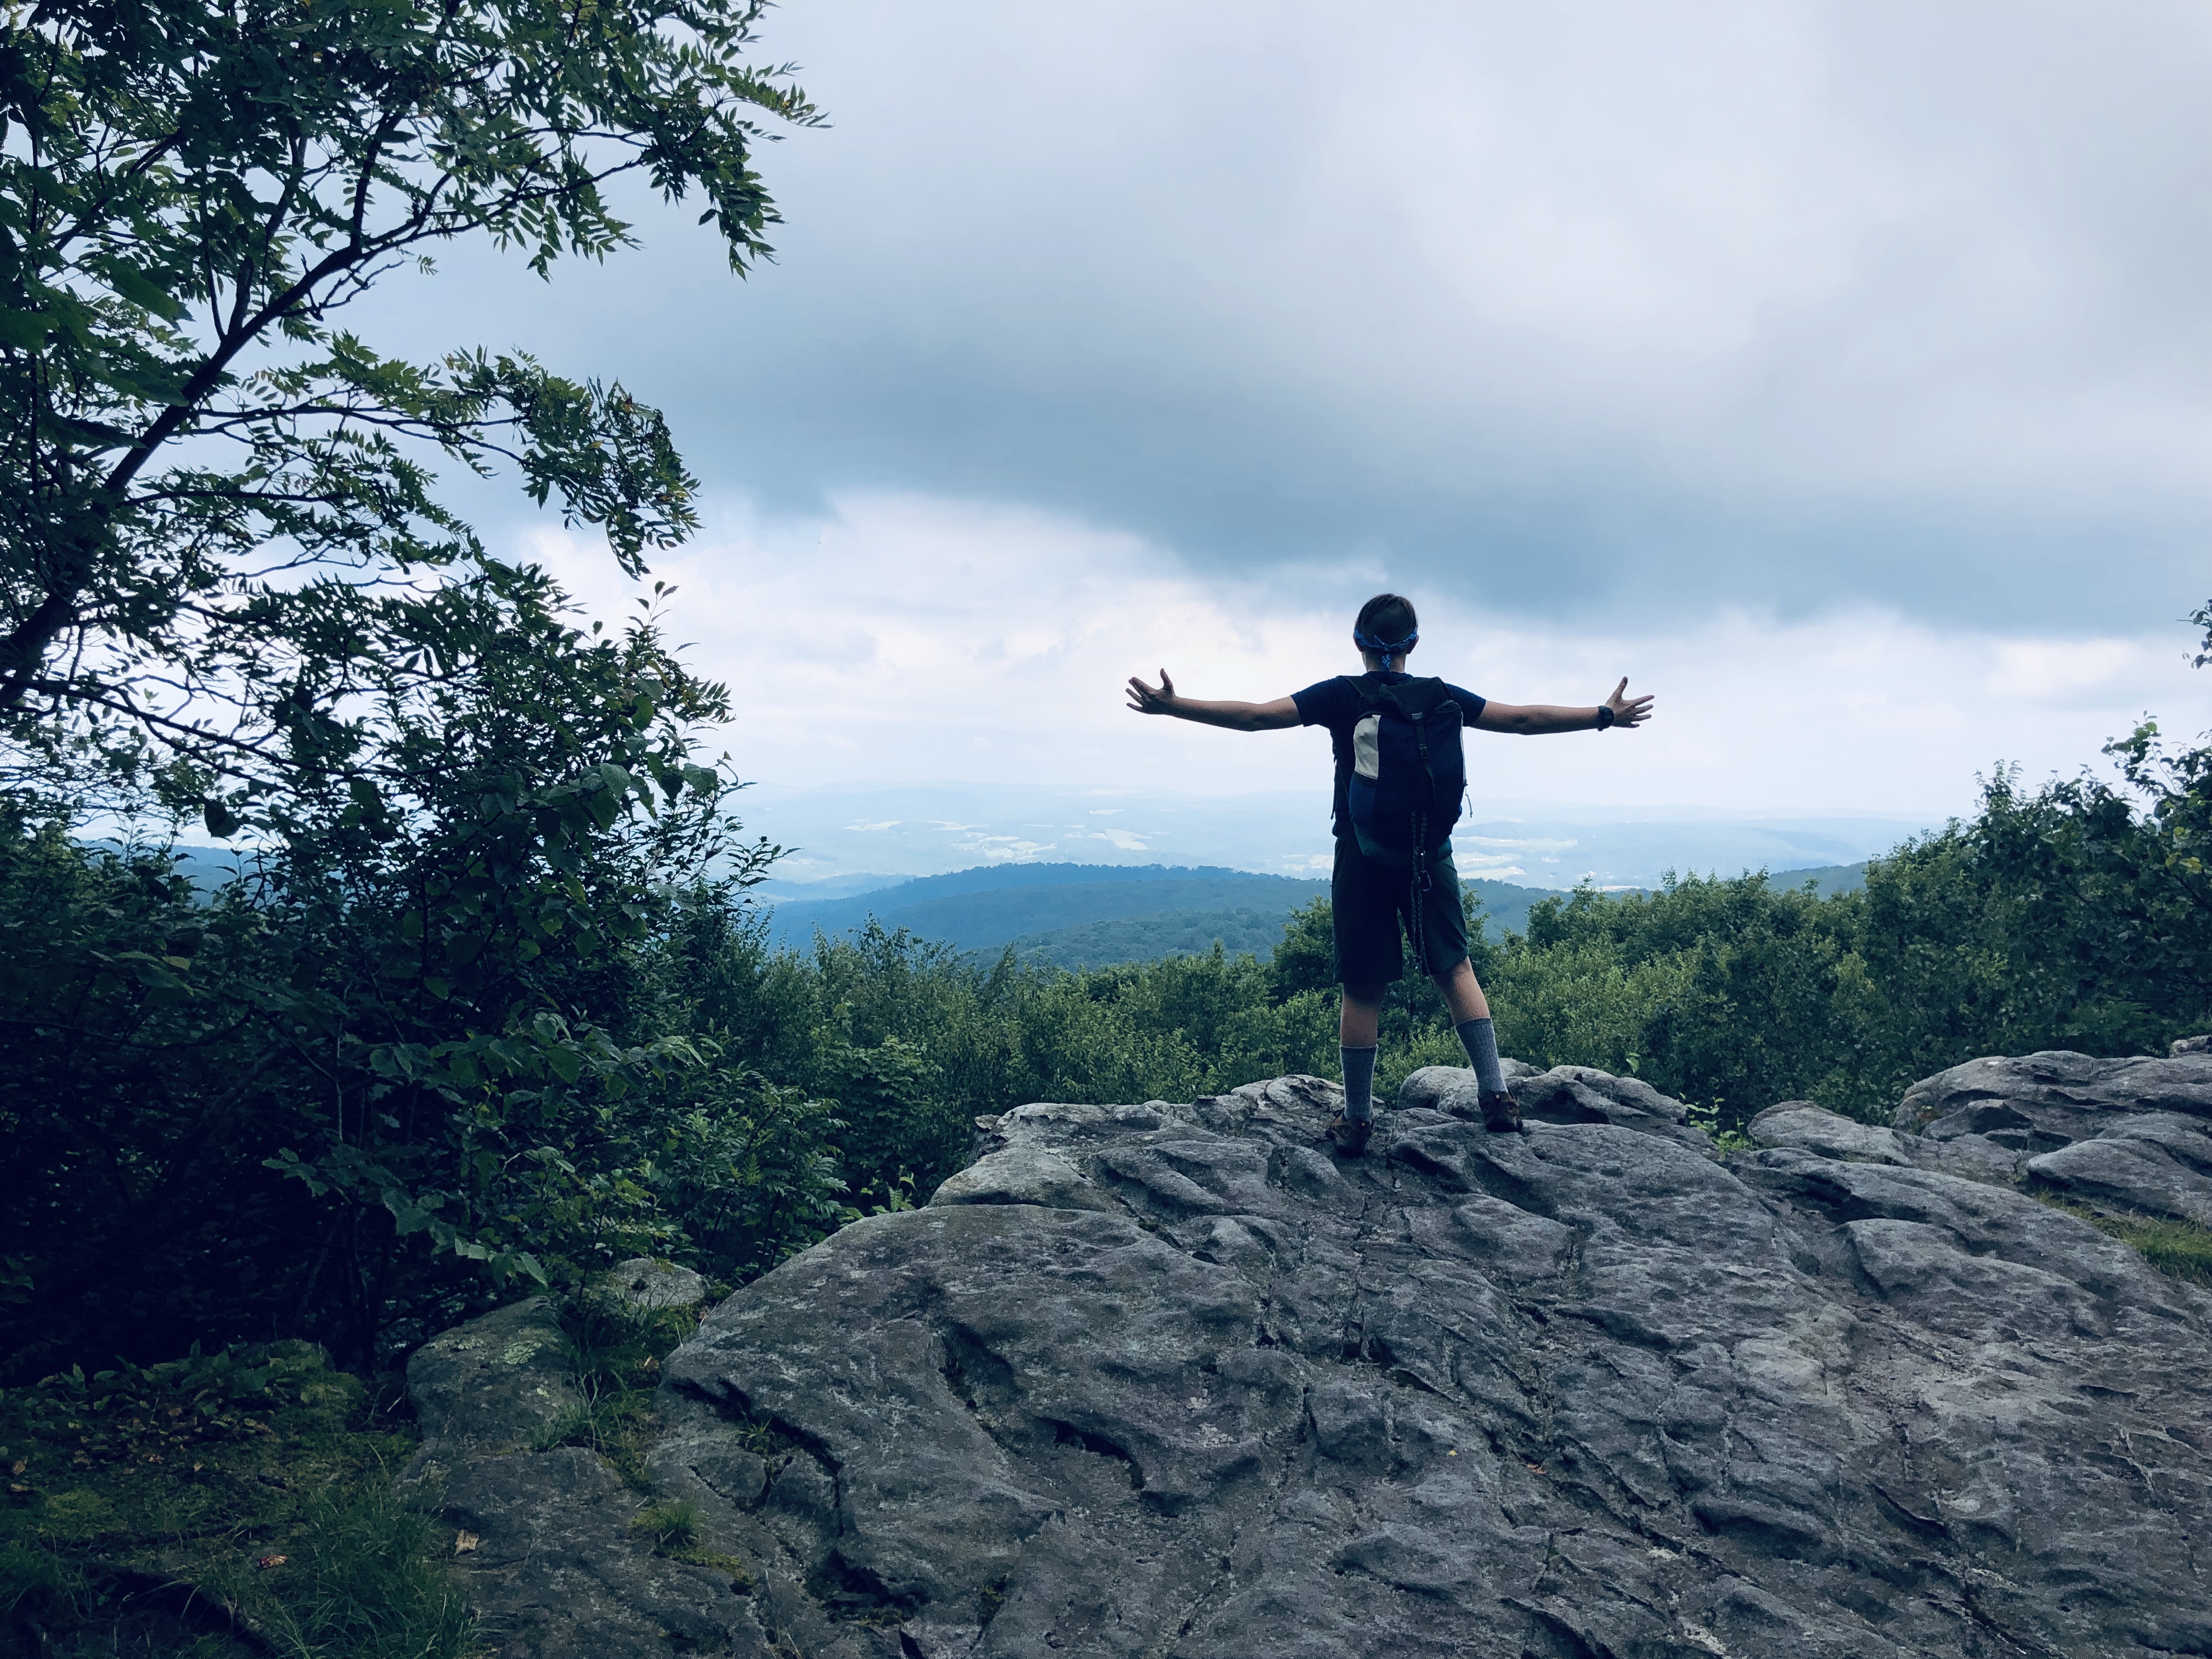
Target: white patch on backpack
1366	747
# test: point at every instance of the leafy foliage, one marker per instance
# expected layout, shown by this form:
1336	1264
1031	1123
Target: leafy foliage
2070	918
426	1021
220	537
417	1055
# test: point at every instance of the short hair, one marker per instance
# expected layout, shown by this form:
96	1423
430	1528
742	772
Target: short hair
1388	617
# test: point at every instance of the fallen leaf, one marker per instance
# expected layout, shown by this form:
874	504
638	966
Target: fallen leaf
18	1467
463	1542
17	1487
267	1562
1535	1468
156	1458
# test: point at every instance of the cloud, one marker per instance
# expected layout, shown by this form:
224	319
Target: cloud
1858	708
1612	309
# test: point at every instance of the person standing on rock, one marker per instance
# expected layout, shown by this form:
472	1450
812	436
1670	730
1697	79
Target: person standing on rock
1399	777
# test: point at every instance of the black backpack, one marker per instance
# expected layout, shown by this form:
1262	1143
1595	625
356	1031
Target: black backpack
1408	773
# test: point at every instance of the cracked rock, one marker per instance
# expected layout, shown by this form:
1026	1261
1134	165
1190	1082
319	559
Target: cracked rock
1168	1380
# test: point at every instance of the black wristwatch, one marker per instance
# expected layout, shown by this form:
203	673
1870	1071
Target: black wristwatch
1604	715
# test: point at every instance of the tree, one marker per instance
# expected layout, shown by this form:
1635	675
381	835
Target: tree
226	577
219	512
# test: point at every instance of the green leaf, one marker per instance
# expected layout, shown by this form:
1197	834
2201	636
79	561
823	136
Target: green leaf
134	285
25	329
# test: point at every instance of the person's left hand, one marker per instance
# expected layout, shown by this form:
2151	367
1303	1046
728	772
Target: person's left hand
1626	710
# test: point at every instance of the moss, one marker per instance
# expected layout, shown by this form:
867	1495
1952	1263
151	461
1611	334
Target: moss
163	1508
698	1555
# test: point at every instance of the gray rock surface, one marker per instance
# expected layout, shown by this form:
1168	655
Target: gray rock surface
644	1285
551	1560
2151	1164
1168	1380
1800	1124
1566	1094
2056	1094
2129	1137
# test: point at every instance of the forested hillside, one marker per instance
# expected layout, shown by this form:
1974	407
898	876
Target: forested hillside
1500	907
1088	915
1150	938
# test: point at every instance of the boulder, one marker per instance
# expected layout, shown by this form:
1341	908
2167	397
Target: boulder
2057	1095
1022	1174
2151	1164
1171	1381
493	1385
1800	1124
1566	1094
644	1285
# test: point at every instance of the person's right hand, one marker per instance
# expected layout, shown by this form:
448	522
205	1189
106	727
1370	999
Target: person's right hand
1148	700
1627	711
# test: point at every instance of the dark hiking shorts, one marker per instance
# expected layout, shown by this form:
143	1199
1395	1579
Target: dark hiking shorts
1369	903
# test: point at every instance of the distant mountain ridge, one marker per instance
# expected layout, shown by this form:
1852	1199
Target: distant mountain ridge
1095	915
988	908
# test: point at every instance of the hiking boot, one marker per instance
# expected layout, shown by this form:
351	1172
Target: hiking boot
1501	1113
1347	1136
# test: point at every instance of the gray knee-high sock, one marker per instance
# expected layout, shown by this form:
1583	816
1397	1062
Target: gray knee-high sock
1358	1083
1480	1038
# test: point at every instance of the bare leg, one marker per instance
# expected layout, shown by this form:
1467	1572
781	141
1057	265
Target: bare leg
1460	988
1361	1020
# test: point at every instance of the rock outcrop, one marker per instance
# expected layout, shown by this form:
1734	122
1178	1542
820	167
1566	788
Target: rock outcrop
1166	1380
2119	1136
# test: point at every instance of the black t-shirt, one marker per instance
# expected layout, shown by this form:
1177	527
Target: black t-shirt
1336	704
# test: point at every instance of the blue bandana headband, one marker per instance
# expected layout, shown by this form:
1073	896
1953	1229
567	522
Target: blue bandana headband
1367	642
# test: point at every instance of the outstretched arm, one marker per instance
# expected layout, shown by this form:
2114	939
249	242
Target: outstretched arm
1538	719
1234	716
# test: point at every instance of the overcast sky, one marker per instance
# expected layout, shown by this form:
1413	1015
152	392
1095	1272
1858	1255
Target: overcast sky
1841	373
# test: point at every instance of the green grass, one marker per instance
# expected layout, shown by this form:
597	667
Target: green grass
673	1526
1725	1140
173	1509
615	1353
2179	1249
